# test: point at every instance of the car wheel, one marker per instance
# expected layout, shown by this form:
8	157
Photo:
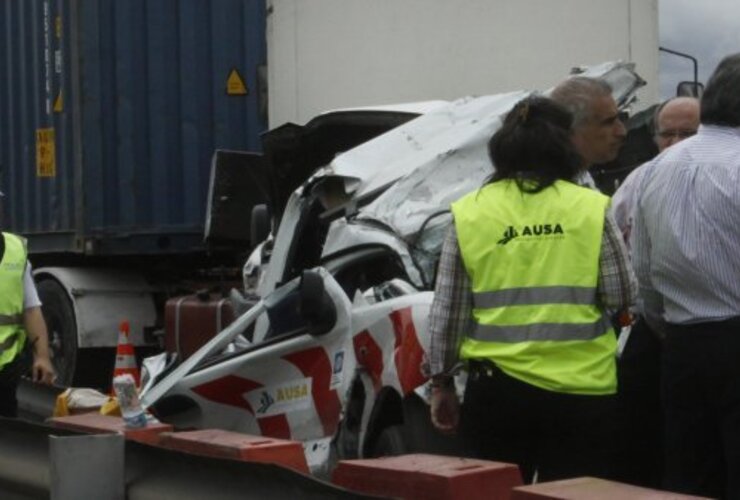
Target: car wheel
390	442
60	323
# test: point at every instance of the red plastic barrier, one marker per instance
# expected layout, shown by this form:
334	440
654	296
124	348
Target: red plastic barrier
589	488
429	477
225	444
95	423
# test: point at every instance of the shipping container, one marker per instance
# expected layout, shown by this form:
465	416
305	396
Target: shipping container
110	114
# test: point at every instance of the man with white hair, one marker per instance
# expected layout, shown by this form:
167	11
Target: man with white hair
639	366
597	131
675	120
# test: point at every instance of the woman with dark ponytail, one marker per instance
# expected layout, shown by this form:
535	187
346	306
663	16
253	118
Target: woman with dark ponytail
533	144
525	280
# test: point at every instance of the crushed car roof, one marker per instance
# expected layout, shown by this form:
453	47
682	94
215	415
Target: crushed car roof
434	159
404	180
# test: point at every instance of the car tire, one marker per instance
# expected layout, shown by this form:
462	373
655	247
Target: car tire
390	442
62	328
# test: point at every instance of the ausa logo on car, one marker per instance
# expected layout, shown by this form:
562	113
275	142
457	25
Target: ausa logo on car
533	231
281	398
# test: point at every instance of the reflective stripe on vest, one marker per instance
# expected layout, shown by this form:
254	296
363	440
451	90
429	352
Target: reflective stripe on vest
541	331
533	262
6	320
536	295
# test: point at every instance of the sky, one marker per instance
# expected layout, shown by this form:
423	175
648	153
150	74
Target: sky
705	29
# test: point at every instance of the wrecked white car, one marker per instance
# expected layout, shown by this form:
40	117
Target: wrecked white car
333	354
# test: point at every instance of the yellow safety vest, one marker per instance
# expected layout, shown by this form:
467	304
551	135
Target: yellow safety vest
12	267
533	260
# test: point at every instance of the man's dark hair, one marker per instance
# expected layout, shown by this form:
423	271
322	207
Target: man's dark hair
720	104
533	145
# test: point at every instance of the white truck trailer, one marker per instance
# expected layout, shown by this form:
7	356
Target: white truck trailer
329	54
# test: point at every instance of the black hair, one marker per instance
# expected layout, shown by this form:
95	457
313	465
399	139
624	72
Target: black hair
533	146
720	103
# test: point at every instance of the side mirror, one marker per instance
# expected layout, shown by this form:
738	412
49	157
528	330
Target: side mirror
690	89
259	227
316	306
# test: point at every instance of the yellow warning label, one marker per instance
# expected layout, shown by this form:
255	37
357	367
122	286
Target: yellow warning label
58	26
235	84
46	163
59	103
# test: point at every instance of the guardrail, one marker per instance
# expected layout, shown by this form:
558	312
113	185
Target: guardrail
40	461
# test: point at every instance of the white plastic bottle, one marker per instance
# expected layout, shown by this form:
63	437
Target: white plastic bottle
128	400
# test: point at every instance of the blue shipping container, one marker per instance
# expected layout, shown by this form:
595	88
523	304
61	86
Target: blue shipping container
110	111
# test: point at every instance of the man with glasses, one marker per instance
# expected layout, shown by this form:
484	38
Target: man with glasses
639	365
675	120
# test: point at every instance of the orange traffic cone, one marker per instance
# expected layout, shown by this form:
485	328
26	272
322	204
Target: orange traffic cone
125	356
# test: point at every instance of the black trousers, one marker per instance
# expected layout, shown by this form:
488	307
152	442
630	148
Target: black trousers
640	418
558	435
701	398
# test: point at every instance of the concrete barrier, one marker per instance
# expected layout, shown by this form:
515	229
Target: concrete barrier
244	447
429	477
589	488
94	423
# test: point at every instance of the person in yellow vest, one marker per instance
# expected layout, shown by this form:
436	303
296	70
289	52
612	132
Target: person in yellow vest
20	320
526	280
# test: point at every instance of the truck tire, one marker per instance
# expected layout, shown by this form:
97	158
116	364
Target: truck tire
60	322
390	442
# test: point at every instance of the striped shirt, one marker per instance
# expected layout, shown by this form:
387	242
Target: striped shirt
686	234
451	316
